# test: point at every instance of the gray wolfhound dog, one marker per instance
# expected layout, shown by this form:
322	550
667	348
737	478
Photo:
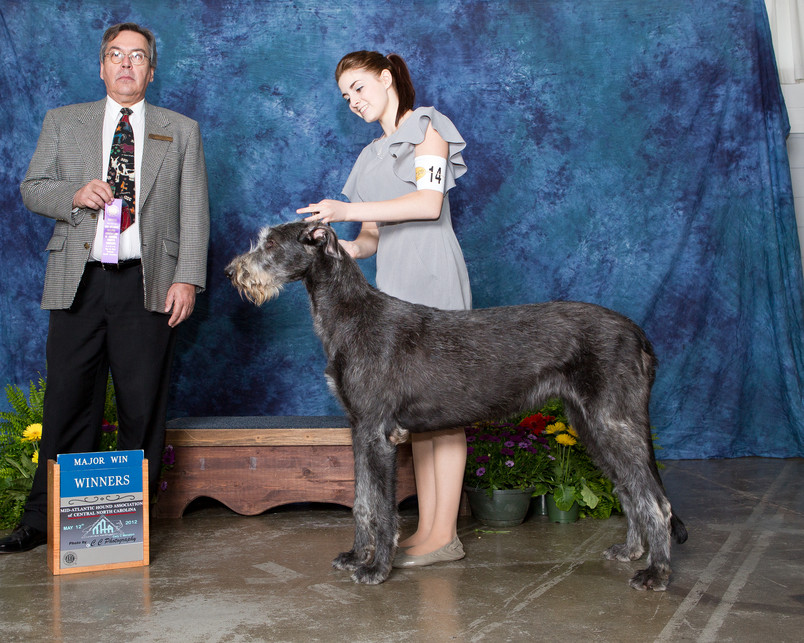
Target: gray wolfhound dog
398	367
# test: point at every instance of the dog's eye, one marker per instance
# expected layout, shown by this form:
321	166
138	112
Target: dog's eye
269	243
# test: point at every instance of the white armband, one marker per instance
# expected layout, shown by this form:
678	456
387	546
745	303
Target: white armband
431	172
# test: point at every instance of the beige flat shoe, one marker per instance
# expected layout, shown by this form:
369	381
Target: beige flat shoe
449	552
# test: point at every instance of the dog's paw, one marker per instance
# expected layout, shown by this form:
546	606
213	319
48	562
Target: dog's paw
346	561
623	553
371	574
650	578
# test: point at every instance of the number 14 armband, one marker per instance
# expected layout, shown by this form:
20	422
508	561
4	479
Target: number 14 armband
431	172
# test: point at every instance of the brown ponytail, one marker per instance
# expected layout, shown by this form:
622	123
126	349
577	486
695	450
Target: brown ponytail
375	62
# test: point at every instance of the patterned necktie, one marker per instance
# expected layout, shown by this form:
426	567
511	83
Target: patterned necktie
121	168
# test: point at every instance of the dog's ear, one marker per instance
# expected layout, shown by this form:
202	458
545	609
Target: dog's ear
322	235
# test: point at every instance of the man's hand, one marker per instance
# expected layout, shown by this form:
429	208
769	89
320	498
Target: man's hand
94	195
180	298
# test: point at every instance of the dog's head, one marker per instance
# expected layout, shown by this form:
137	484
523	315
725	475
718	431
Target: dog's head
282	254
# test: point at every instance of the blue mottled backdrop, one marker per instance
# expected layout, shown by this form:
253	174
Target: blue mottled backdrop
624	152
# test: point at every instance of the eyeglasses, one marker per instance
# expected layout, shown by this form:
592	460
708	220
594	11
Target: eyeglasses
135	57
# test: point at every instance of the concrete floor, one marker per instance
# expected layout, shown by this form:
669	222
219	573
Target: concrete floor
218	576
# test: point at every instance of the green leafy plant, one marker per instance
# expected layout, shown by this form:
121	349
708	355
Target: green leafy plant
20	433
574	477
19	451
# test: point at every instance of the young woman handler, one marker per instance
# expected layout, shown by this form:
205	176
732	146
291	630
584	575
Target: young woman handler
398	190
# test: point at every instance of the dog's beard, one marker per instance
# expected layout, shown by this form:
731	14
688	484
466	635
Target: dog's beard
253	284
258	294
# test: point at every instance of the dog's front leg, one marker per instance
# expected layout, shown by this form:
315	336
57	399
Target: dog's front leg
374	509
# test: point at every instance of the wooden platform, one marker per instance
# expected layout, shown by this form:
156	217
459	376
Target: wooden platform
252	464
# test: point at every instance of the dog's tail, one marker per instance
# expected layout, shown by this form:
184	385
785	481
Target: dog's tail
677	529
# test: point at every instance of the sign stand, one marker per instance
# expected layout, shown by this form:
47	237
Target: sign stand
97	511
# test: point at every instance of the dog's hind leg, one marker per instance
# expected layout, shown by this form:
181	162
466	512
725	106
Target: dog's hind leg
634	545
374	509
653	508
623	450
648	514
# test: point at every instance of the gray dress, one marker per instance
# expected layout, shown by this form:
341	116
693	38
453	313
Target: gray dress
418	261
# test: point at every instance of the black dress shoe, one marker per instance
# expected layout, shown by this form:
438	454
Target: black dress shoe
23	538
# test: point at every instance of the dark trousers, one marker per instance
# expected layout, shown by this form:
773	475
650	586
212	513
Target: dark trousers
107	327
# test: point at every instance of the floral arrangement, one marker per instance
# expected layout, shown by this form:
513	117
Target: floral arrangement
574	477
540	452
505	455
20	434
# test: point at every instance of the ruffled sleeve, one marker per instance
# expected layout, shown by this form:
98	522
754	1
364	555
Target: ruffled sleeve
350	189
411	133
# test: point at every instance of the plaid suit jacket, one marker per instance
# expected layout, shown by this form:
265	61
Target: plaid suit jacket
172	196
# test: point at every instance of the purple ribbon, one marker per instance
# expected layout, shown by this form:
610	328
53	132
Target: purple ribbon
111	231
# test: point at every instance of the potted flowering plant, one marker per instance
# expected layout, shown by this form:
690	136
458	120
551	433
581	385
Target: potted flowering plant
569	485
574	478
506	463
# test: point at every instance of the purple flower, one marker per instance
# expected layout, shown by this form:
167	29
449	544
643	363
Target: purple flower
482	459
551	457
470	450
509	444
509	463
163	485
505	451
524	445
169	456
470	438
480	471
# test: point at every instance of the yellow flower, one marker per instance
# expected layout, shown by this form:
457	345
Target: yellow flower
572	432
555	428
32	433
35	458
566	439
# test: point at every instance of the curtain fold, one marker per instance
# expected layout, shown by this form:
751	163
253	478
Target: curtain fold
786	19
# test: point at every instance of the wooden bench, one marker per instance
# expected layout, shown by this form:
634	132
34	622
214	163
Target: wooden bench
252	464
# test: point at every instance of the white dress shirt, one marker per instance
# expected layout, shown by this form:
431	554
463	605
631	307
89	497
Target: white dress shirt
129	239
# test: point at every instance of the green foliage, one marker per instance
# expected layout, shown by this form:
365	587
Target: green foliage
19	454
16	478
608	502
25	411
